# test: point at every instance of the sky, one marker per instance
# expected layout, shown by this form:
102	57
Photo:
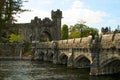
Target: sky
96	13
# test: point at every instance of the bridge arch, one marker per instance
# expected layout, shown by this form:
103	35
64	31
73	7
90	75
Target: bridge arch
63	58
111	65
50	56
41	55
82	62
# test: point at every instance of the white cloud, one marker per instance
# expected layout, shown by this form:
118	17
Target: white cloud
45	1
76	12
27	16
79	11
78	4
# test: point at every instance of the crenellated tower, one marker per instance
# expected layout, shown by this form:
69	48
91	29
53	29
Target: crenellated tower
56	17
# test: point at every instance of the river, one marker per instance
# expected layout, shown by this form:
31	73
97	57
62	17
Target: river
38	70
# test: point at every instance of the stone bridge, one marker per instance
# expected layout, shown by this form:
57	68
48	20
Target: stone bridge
101	55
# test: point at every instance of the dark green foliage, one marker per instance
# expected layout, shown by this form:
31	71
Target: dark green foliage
27	47
8	8
64	32
43	40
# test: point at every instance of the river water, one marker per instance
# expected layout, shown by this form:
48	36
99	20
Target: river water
38	70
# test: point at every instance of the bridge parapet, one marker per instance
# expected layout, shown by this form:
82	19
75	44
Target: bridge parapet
60	44
75	43
41	45
83	42
106	41
70	43
49	45
110	40
117	41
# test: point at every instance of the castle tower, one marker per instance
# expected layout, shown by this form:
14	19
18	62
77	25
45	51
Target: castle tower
56	17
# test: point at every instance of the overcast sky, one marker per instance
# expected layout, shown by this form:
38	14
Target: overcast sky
96	13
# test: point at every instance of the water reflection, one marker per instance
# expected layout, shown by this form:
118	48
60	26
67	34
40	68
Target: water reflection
34	70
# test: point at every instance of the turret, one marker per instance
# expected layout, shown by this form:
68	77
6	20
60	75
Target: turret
56	17
56	14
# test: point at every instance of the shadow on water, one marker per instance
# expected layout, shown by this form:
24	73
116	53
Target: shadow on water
38	70
106	77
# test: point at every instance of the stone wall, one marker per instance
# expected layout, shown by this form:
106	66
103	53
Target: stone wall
9	50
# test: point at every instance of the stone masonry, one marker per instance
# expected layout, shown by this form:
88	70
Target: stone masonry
101	55
39	29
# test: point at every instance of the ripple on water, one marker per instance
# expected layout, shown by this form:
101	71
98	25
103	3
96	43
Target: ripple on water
32	70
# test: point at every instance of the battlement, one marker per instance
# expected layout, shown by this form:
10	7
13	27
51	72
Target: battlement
42	27
56	14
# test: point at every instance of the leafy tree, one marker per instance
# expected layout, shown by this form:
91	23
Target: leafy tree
76	31
82	30
64	32
14	38
74	34
9	8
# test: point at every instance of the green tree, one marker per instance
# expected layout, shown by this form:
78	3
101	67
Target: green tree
14	38
9	8
82	30
64	32
77	30
74	34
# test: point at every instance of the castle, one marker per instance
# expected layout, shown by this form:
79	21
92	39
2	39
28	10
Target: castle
42	30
